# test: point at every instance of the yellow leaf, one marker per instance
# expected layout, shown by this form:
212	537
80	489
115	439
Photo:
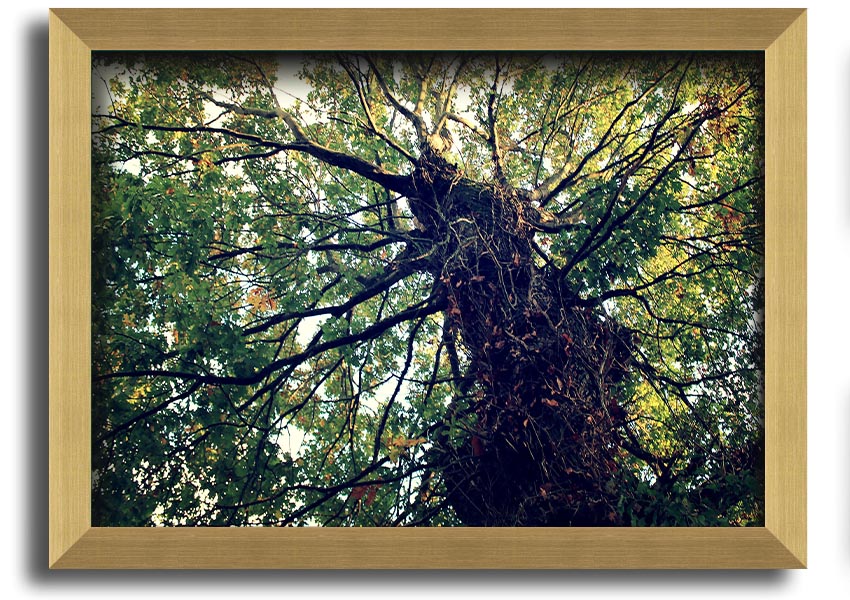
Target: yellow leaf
140	393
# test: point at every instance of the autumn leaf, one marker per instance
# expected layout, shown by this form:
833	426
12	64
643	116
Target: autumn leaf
358	492
477	446
370	495
398	446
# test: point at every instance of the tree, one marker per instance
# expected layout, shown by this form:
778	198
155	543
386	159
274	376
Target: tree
429	290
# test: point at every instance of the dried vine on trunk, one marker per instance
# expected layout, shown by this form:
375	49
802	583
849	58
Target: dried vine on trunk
541	384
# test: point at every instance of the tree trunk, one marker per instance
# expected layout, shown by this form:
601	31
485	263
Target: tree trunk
536	414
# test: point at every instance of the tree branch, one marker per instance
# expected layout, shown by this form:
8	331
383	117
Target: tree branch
429	306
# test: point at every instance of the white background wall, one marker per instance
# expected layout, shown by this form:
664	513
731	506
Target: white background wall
23	295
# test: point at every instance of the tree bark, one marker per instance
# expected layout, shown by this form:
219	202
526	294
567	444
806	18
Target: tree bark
540	390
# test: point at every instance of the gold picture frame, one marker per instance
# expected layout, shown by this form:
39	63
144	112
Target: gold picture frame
75	33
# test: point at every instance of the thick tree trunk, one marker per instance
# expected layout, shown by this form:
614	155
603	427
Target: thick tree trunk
539	404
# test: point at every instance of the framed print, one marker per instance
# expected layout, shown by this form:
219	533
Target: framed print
427	289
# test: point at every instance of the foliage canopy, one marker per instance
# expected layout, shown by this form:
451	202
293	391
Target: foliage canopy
430	289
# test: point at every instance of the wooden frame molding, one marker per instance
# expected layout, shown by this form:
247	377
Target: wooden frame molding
75	33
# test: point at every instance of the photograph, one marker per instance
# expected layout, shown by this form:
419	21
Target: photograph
428	289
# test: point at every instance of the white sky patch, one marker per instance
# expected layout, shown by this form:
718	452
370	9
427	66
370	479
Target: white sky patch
384	392
132	166
290	88
690	107
290	440
463	101
308	327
